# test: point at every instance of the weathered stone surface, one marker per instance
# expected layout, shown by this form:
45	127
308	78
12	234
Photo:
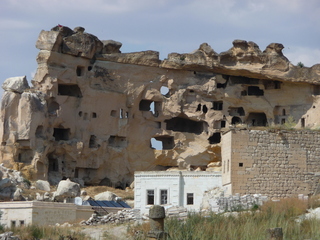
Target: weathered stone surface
42	185
110	46
94	113
106	196
66	189
16	84
81	44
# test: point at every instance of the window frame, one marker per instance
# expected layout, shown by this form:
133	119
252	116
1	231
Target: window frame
166	199
148	191
190	196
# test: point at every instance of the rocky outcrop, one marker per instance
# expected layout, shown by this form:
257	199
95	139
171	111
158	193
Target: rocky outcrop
94	114
66	189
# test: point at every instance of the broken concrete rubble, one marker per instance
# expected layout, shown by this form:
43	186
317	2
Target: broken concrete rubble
93	111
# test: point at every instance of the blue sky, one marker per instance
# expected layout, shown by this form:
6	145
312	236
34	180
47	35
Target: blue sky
161	25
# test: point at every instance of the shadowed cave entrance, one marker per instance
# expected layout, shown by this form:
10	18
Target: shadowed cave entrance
257	119
180	124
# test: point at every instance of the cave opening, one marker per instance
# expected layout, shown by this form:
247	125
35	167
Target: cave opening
257	119
61	134
71	90
180	124
215	138
167	142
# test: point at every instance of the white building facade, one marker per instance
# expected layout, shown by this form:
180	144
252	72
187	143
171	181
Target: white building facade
173	188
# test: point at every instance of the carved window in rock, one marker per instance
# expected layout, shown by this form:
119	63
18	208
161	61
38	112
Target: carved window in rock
236	120
149	105
117	141
113	113
303	122
215	138
190	199
93	142
180	124
257	119
316	89
53	164
71	90
217	105
61	134
255	91
163	197
164	91
80	71
167	142
150	197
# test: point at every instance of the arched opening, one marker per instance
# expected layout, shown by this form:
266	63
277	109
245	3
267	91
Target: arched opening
164	91
257	119
236	120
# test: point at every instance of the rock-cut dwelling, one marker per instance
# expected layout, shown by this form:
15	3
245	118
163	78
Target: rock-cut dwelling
94	113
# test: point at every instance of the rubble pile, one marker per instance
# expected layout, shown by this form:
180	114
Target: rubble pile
8	236
237	202
175	211
125	215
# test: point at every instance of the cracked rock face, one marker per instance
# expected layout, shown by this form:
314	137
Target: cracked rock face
94	113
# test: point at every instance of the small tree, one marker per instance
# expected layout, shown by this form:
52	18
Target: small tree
300	64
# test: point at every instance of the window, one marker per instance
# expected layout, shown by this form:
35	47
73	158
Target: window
21	223
13	224
150	197
189	198
163	196
240	164
217	105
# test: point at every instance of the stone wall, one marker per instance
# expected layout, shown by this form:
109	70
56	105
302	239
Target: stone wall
276	163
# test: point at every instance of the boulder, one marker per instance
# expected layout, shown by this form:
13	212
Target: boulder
66	189
42	185
110	46
17	196
106	196
16	84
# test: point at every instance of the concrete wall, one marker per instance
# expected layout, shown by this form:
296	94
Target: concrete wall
42	213
273	163
178	184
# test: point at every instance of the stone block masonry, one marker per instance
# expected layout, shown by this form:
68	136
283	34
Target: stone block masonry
276	163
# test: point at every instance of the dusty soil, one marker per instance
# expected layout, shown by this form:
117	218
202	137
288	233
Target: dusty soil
107	232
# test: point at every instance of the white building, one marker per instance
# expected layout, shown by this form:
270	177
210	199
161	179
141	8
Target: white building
42	213
176	188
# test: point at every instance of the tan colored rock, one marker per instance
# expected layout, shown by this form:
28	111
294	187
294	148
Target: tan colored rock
94	113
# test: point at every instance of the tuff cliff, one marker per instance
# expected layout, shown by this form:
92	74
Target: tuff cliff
93	112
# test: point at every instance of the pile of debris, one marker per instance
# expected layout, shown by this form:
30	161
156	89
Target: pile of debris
237	202
176	211
8	236
125	215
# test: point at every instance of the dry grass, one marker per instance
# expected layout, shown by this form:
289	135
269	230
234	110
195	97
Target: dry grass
34	232
248	225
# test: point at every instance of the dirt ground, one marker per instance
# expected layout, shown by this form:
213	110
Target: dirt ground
107	232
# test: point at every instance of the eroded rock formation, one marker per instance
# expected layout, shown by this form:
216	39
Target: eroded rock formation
93	111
